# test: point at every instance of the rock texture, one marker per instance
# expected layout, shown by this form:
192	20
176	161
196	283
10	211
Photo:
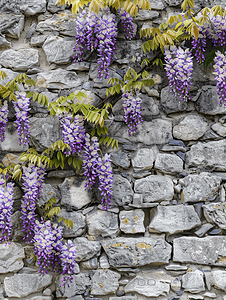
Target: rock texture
11	257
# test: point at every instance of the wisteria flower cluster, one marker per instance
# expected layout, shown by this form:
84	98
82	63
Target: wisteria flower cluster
179	67
127	23
132	111
3	120
32	182
6	208
22	118
220	75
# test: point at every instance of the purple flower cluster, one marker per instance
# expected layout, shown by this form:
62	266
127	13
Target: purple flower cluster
3	120
132	111
6	207
127	23
22	118
32	182
73	133
179	66
220	75
68	263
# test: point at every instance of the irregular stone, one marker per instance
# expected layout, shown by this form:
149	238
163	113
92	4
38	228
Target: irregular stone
53	8
155	132
64	23
157	4
219	129
102	223
33	7
104	264
174	2
216	213
78	220
168	148
12	24
59	79
219	279
21	285
127	297
207	101
80	283
168	163
144	159
193	282
148	286
203	229
59	50
47	192
122	190
3	42
170	103
74	193
61	173
20	60
146	15
10	158
210	135
176	285
37	41
192	127
132	221
154	188
81	66
173	219
210	250
105	282
41	298
11	257
17	227
125	50
134	252
199	187
86	249
174	267
210	295
90	264
120	159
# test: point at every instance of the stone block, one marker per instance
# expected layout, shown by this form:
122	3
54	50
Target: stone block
86	249
169	163
216	213
122	190
132	221
144	159
120	159
105	282
193	282
11	257
12	24
78	220
170	103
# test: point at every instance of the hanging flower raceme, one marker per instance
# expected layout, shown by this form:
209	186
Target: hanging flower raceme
132	111
220	75
22	118
80	38
127	23
73	133
199	47
179	66
32	183
6	208
68	263
3	120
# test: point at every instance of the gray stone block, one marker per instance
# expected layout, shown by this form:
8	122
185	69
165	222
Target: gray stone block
86	249
170	103
193	282
132	221
11	257
215	213
78	220
169	163
105	282
122	190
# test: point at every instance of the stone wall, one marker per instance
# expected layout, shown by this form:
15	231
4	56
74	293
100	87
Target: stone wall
164	236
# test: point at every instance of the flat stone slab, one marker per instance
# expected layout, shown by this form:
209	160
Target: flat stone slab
21	285
169	163
173	219
105	282
132	221
211	154
122	190
20	60
11	257
216	213
143	159
210	250
154	188
193	282
197	188
86	249
134	252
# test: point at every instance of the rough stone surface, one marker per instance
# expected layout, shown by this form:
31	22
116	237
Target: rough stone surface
132	252
199	187
105	282
47	192
73	193
192	127
86	249
171	104
173	219
210	250
31	7
21	285
78	220
11	257
11	24
120	159
219	129
216	213
169	163
193	282
146	15
154	188
144	159
174	2
122	190
20	60
219	279
132	221
53	8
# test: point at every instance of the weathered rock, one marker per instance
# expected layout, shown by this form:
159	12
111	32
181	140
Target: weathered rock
11	24
122	190
90	264
132	221
170	103
173	219
102	223
203	229
125	51
61	173
47	192
59	50
219	279
21	285
127	297
20	60
11	257
157	4
210	135
41	298
144	159
44	132
53	8
148	286
120	159
176	285
192	127
146	15
86	249
80	283
74	193
216	213
81	66
199	187
174	2
207	101
37	41
17	227
219	129
155	188
4	42
33	7
210	250
169	163
104	264
78	220
193	282
105	282
133	252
